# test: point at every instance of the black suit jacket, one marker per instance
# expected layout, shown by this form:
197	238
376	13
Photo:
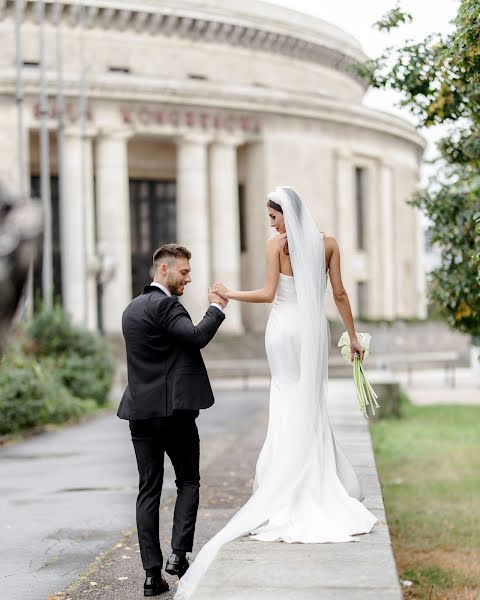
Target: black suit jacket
166	372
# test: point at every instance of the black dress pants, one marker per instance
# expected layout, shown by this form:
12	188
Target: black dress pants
178	437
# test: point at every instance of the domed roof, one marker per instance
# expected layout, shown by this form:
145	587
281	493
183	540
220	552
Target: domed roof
268	16
252	24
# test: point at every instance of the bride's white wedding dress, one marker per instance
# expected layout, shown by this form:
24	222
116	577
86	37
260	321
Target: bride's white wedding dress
305	488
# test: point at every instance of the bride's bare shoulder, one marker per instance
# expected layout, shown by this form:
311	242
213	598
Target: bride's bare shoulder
277	241
330	241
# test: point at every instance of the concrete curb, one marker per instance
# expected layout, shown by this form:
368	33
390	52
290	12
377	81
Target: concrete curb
362	570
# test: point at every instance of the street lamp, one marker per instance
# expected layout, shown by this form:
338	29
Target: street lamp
103	267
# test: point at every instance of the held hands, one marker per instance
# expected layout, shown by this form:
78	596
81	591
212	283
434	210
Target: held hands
215	297
221	290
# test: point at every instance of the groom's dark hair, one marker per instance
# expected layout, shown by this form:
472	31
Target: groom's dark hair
170	252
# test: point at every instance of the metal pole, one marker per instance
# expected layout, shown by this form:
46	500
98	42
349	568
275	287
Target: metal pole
19	99
60	129
83	135
47	266
26	309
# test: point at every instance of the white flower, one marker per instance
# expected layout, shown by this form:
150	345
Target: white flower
344	345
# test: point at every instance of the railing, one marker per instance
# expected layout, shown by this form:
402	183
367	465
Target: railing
245	368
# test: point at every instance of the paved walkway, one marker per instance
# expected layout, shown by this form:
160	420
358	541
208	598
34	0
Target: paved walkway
362	570
256	570
71	494
67	496
429	387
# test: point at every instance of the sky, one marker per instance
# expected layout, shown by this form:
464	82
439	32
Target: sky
357	17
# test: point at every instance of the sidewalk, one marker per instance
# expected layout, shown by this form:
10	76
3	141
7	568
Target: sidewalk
249	569
68	495
429	387
363	570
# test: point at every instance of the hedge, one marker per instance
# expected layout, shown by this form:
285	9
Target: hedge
56	372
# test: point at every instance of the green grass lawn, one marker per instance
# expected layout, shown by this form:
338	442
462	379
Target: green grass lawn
429	467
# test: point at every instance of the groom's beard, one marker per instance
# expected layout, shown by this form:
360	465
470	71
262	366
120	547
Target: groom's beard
175	286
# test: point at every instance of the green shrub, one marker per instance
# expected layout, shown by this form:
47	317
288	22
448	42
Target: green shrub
31	395
87	377
52	331
80	358
53	372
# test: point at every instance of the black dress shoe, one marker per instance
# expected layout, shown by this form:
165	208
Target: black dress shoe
155	585
177	565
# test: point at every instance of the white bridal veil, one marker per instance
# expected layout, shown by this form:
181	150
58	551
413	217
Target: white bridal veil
305	489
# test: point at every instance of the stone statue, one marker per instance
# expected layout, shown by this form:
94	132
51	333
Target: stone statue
20	238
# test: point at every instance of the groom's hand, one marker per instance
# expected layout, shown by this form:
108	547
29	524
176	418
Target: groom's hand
214	297
220	289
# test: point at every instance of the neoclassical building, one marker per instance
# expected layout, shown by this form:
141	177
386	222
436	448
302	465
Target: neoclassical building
194	110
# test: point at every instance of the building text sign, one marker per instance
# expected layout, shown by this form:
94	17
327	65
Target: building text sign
195	119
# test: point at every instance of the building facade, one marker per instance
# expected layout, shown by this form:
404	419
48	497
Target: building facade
192	111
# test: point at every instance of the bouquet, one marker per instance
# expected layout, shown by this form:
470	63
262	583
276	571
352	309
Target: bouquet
365	393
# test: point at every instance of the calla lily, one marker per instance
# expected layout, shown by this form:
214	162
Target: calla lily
365	393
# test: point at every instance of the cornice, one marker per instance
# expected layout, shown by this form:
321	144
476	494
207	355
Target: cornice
193	23
111	88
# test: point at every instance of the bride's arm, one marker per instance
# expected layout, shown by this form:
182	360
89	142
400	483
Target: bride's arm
340	296
267	292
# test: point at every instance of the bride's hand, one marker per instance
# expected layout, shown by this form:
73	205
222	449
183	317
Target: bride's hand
356	346
221	290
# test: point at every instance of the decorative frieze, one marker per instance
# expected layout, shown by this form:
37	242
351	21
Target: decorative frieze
158	20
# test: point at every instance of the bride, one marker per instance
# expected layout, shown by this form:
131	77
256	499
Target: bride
305	488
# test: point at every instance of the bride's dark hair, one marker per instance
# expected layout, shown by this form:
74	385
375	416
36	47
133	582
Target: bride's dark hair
278	208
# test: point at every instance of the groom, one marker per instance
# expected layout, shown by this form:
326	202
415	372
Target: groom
167	385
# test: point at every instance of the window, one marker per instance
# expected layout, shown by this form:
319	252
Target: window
360	206
116	69
197	76
56	250
242	218
153	223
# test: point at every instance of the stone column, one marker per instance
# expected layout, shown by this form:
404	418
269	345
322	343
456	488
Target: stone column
419	263
9	145
193	219
345	186
77	231
253	260
387	241
225	225
113	214
373	231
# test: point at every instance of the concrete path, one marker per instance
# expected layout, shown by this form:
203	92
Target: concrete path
361	570
429	387
64	495
251	569
68	495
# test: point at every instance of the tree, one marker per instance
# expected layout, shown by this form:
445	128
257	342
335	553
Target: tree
439	82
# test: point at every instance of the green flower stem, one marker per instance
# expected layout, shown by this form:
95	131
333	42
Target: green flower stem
373	395
361	382
366	395
358	386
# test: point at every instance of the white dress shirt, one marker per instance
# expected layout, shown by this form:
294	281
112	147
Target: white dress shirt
169	293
